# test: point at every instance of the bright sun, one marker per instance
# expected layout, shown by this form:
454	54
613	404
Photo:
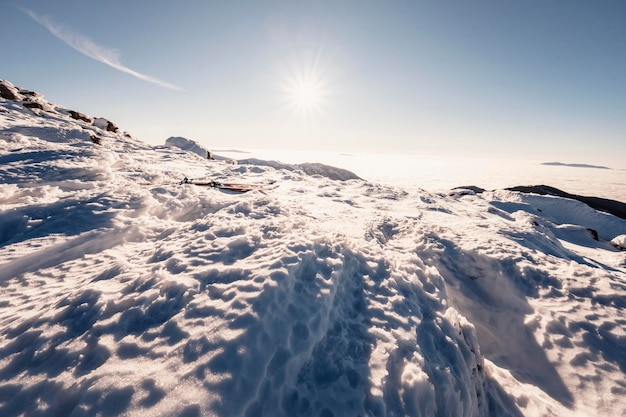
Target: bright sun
306	96
305	84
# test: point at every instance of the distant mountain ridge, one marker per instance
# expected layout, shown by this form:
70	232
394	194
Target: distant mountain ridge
562	164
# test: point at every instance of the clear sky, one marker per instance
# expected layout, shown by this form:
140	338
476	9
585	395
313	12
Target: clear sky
538	79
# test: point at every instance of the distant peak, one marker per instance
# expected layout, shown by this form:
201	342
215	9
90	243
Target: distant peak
574	165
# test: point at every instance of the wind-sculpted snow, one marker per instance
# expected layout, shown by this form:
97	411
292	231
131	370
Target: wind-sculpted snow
125	292
187	145
310	168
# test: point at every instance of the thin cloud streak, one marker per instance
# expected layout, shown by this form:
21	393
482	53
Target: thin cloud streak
87	47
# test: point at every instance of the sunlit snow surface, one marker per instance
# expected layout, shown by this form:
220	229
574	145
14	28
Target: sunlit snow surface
123	292
441	173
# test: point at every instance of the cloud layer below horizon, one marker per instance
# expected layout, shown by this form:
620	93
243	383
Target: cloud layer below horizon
88	47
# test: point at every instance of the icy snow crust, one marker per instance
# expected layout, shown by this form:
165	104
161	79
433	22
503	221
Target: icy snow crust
123	292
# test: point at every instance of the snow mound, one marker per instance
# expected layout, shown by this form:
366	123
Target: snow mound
563	211
127	292
619	242
309	168
616	208
187	145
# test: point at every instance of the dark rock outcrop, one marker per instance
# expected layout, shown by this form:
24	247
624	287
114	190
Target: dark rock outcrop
33	100
105	124
29	99
28	93
95	139
32	105
606	205
8	91
594	234
80	116
475	189
619	242
614	207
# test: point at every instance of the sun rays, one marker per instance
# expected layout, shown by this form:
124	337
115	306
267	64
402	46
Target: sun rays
305	86
307	96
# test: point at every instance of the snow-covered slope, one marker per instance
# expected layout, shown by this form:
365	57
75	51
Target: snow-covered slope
310	168
125	292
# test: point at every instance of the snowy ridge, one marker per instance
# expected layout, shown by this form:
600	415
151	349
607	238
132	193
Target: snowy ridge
125	292
310	168
575	165
187	145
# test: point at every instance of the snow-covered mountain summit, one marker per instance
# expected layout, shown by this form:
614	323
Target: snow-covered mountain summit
126	292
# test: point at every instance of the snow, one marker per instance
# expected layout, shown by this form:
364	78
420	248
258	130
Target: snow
125	292
441	173
310	168
187	145
619	242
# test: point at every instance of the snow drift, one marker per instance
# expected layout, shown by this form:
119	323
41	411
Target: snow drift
187	145
125	292
310	168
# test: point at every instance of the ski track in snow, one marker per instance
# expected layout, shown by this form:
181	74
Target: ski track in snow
124	292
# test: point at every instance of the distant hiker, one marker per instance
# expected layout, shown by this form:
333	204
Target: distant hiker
208	155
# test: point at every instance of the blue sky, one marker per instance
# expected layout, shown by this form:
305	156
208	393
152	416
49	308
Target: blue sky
533	79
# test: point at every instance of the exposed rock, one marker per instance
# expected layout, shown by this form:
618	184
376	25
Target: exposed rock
33	105
28	93
594	233
95	139
475	189
460	192
105	124
619	242
616	208
80	116
8	91
112	127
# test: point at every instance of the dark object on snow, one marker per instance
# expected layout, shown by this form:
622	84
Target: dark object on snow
594	233
237	187
112	127
32	105
475	189
616	208
80	116
95	139
8	91
105	124
29	93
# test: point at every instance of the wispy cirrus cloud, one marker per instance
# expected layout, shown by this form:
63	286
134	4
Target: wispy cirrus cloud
88	47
